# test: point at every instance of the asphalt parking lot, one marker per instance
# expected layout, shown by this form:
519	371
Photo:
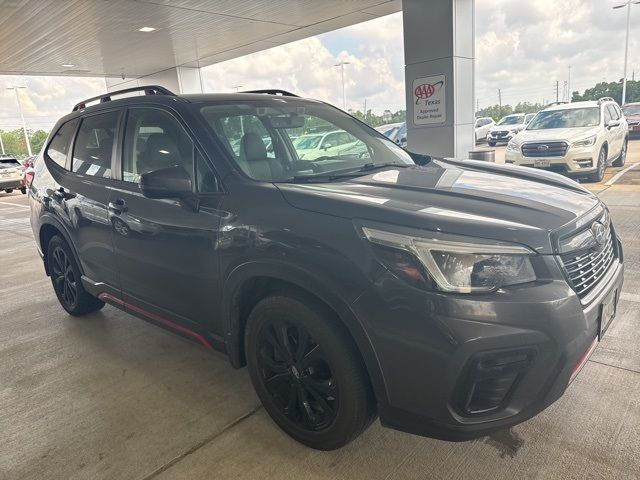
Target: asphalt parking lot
110	397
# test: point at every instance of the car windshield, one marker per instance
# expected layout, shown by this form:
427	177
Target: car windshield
511	120
307	142
566	118
276	141
9	163
631	109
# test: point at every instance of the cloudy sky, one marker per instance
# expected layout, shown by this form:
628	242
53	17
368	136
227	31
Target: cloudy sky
522	48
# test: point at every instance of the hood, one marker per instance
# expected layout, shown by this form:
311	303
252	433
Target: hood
555	134
476	199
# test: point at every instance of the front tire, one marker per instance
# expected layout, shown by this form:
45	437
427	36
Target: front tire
622	158
307	371
65	277
492	144
601	166
8	190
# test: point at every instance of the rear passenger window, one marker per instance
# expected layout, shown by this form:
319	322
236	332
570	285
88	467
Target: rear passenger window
59	145
94	145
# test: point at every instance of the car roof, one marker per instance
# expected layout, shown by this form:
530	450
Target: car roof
572	105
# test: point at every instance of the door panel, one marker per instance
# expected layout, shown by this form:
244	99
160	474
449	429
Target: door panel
166	251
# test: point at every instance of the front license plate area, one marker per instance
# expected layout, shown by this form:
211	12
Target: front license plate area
607	312
542	163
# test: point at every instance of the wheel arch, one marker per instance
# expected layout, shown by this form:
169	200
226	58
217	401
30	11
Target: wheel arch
50	227
251	282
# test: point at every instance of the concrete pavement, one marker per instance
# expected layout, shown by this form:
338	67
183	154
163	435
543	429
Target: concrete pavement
110	397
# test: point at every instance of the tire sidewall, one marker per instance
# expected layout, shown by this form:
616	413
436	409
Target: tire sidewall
54	243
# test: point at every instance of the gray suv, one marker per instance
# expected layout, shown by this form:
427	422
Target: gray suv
449	298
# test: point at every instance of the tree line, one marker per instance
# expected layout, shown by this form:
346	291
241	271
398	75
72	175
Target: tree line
14	144
602	89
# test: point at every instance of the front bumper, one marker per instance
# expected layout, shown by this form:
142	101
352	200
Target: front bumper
500	139
426	342
575	162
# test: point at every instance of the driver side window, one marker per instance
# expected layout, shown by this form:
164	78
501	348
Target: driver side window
154	139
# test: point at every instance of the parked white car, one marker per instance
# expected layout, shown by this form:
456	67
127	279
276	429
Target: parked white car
482	127
507	128
580	139
11	174
316	145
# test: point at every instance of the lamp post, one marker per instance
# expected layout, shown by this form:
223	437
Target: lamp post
626	45
344	98
24	125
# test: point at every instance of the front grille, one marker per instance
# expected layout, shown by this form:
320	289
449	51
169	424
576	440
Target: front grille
633	123
586	269
544	149
500	134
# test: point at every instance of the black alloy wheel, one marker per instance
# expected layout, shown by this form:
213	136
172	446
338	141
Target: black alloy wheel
297	375
64	280
307	371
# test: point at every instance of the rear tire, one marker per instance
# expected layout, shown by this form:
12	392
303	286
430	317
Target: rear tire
492	144
23	190
307	371
622	158
65	277
8	190
598	175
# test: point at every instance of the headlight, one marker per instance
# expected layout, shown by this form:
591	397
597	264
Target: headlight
513	146
586	142
454	266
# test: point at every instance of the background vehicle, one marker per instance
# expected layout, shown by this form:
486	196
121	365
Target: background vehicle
297	267
27	163
580	139
506	129
632	114
389	130
482	126
11	174
528	117
312	146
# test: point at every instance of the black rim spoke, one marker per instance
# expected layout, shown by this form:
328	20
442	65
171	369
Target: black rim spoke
63	277
297	375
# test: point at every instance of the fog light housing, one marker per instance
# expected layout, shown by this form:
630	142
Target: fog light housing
584	162
491	378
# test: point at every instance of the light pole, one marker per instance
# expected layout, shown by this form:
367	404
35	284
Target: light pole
344	98
24	125
626	45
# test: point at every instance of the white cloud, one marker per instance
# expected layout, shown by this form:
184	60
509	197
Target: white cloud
522	48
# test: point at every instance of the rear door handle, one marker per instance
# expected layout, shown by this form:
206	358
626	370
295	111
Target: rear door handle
117	206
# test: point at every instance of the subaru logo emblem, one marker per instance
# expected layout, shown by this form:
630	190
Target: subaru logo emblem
599	232
543	148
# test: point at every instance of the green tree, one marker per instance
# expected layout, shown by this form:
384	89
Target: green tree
15	145
37	139
610	89
496	112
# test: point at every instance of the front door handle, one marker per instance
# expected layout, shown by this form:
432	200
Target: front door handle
118	206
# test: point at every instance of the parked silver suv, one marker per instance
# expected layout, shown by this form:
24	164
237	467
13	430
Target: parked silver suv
580	139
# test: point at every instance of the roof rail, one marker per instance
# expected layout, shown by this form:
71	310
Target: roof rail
605	99
147	89
272	91
555	103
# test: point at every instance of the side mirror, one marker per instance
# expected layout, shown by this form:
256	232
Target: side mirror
613	123
170	182
327	146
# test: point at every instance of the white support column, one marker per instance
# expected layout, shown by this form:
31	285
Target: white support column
439	76
176	79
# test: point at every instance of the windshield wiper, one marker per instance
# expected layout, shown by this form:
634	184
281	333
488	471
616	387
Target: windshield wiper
346	173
